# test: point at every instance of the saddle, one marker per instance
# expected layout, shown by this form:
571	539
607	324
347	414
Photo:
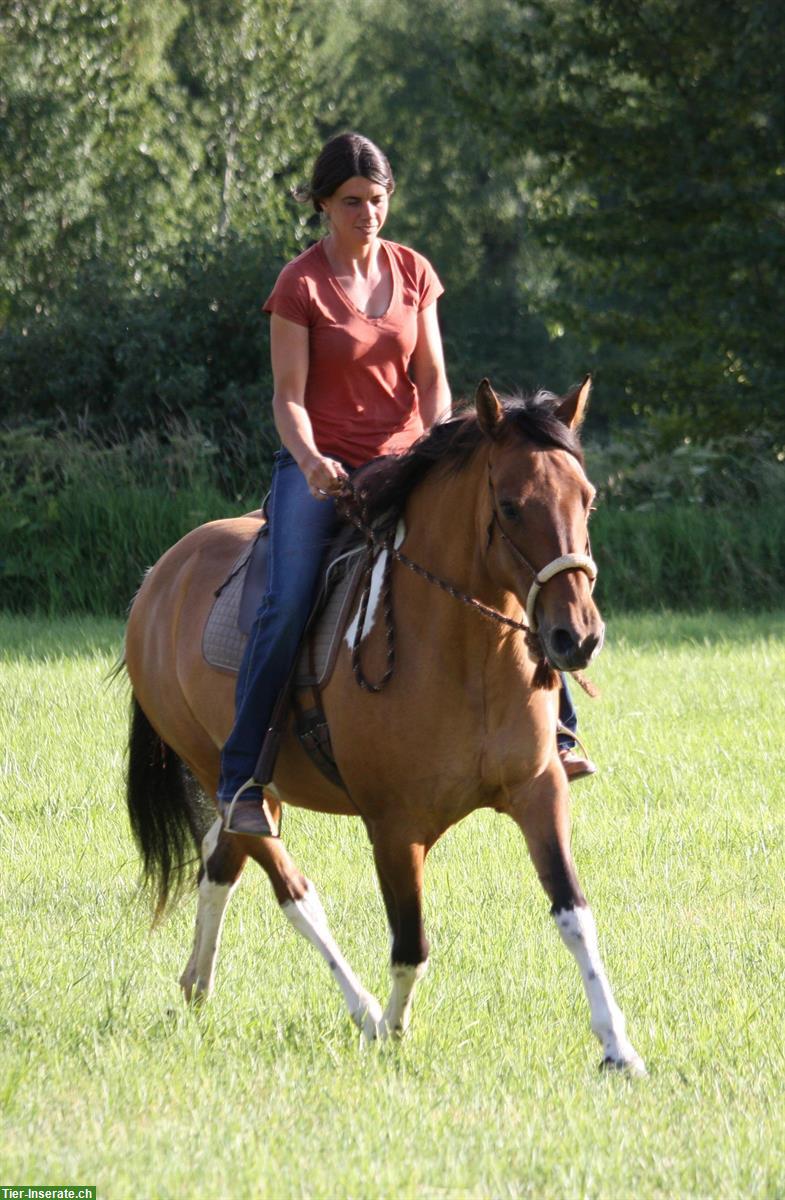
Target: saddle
231	617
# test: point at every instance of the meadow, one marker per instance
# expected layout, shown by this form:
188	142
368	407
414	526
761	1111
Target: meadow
106	1078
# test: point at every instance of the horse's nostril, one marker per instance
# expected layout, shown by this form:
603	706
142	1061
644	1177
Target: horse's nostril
562	641
589	645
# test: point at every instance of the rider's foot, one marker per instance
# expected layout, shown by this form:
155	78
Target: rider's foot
247	815
575	767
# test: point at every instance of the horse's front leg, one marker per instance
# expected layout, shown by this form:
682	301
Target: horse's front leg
399	864
543	814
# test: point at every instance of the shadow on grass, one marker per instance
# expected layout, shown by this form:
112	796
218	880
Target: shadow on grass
42	639
672	629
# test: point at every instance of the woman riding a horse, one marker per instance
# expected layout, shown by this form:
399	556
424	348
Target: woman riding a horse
495	501
348	319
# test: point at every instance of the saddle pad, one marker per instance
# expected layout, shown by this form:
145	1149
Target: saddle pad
223	642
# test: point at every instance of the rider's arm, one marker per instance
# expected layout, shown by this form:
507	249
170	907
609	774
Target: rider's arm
430	377
289	354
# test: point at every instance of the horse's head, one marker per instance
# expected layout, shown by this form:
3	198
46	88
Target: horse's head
540	500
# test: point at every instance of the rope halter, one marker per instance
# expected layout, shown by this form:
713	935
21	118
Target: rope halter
565	562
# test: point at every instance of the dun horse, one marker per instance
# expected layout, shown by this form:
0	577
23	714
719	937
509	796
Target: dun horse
496	502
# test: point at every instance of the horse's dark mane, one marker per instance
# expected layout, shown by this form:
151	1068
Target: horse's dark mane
388	483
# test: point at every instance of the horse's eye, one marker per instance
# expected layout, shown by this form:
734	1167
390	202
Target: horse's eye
509	509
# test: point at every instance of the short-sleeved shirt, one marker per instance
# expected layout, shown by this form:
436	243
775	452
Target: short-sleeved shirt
358	394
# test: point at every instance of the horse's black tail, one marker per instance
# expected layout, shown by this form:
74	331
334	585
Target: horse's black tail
166	808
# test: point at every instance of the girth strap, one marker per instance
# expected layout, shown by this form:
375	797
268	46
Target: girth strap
314	734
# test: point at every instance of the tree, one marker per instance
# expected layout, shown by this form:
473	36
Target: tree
81	106
655	136
246	68
452	202
127	128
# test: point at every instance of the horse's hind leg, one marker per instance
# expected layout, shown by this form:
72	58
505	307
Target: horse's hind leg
300	904
543	815
222	862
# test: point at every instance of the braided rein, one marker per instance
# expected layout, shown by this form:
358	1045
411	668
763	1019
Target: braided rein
353	509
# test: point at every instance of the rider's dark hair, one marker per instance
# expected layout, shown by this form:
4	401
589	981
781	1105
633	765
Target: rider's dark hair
341	158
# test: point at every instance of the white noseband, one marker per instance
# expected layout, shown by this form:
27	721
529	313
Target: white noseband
567	562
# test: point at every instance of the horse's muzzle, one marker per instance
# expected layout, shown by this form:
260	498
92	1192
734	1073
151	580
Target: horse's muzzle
567	650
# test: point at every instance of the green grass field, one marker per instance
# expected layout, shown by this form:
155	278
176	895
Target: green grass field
107	1079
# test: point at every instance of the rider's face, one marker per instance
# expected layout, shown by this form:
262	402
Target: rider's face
357	210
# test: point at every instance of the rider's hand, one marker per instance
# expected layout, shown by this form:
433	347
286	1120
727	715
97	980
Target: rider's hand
324	476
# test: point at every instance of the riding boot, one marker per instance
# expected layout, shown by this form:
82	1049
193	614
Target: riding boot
247	813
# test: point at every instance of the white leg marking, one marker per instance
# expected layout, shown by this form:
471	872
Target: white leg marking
579	934
197	978
308	918
399	1007
376	587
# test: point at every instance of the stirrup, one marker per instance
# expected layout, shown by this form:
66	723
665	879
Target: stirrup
572	735
258	821
577	768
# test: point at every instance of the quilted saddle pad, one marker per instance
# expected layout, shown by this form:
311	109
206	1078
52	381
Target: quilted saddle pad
223	642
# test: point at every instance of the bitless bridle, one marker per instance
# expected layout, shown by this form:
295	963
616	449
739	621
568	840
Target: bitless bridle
352	507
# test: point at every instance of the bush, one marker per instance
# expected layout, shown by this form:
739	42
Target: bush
684	557
193	349
733	473
82	515
702	526
80	520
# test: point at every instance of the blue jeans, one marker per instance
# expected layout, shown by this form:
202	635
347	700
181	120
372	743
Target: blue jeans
301	529
567	715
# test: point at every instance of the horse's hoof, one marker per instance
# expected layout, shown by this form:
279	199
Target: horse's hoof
386	1033
370	1020
193	993
633	1066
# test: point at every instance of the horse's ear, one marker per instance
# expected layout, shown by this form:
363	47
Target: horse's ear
489	408
573	407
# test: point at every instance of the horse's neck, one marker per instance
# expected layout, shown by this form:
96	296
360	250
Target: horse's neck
448	518
485	671
481	663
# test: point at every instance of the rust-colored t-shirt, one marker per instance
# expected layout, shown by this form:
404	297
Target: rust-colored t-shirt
358	394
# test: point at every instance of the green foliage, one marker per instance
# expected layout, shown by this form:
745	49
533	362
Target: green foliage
452	203
732	473
247	69
683	557
129	128
90	155
196	346
702	526
653	135
82	516
599	185
81	521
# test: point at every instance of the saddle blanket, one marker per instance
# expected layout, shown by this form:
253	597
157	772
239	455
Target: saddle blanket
228	625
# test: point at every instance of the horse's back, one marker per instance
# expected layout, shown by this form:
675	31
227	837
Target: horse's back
191	570
182	697
214	542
